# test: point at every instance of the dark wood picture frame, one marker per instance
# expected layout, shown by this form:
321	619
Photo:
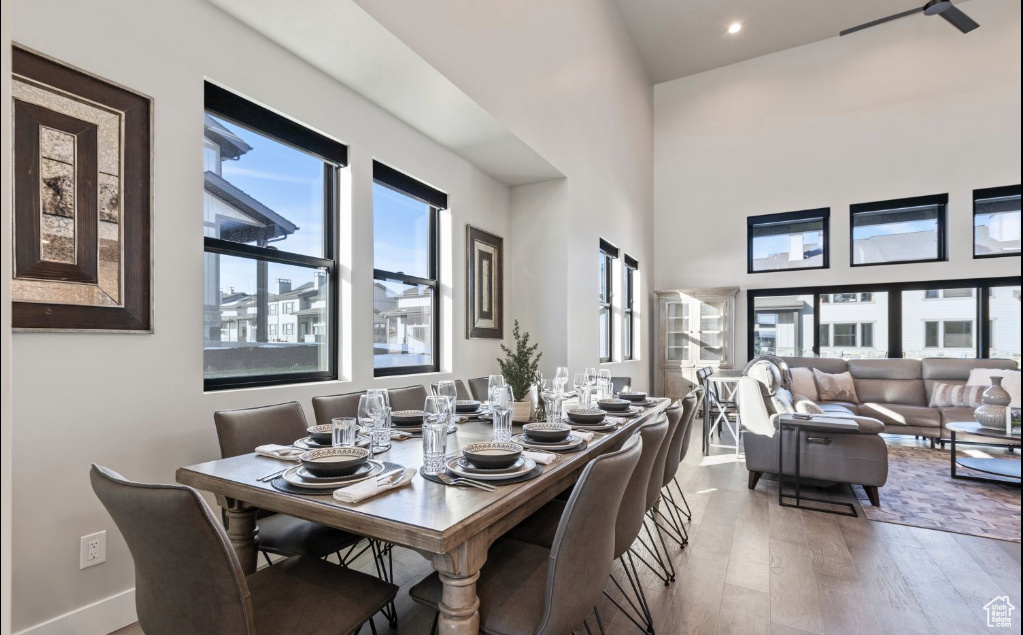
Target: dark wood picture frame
484	312
134	310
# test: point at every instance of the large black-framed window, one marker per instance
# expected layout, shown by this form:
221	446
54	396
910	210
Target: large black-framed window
790	241
270	284
406	313
898	231
608	254
971	318
628	307
996	222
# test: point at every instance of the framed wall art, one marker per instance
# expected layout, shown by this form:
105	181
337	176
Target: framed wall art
82	201
484	282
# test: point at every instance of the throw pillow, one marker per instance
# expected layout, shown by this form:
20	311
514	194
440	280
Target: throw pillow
803	383
806	406
835	387
781	401
1010	381
956	396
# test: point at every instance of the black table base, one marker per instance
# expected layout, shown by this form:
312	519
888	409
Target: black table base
999	468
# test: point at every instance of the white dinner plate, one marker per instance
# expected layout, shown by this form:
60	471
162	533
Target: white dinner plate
496	475
292	478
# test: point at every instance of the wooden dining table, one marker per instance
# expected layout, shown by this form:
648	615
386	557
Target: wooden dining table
452	527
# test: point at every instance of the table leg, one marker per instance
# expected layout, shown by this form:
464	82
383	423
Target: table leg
459	570
243	532
953	453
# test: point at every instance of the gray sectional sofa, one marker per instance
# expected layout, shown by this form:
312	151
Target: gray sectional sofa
897	391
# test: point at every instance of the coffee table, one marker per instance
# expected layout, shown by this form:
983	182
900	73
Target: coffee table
1007	470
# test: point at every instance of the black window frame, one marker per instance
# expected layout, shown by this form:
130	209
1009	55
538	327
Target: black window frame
232	107
935	200
608	253
989	193
437	201
628	307
822	214
894	290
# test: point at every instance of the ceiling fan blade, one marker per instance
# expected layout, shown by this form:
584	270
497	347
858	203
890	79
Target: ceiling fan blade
958	19
882	21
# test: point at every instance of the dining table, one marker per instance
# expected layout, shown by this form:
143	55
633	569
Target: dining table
452	527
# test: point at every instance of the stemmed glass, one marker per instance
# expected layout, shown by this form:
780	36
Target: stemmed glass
448	389
372	415
501	400
604	379
561	378
582	389
494	381
435	433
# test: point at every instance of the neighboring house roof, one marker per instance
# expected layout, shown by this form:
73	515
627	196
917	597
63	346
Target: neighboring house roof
276	224
790	302
895	247
989	245
231	145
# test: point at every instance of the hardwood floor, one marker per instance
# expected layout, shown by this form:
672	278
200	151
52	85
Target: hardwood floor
753	567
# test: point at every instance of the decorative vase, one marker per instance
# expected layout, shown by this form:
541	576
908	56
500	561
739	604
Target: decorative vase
996	398
522	410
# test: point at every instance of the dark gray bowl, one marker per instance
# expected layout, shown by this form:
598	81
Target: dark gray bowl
407	418
321	434
614	405
465	406
334	461
492	455
632	395
547	432
586	415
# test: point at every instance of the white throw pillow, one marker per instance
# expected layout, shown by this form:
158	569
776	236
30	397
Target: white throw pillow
803	383
956	396
1010	381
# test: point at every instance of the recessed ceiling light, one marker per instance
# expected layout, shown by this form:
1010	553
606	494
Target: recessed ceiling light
734	27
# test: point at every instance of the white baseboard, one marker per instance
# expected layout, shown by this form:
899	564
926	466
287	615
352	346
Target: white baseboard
98	618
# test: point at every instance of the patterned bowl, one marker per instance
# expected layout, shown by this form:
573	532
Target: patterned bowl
334	461
586	415
492	455
632	395
548	432
321	434
407	417
614	405
467	405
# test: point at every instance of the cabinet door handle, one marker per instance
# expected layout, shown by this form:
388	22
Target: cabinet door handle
818	440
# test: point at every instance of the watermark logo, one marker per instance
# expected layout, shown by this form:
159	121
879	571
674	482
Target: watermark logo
999	612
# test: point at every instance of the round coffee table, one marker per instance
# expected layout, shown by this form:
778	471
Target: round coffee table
1007	469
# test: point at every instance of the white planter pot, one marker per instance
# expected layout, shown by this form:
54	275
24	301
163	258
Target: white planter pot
522	410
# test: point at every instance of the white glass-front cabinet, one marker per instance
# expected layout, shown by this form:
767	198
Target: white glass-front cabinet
695	328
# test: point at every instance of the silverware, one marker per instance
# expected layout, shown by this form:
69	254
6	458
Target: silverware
272	476
391	477
387	475
447	480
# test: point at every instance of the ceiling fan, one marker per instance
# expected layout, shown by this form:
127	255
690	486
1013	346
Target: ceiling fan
944	8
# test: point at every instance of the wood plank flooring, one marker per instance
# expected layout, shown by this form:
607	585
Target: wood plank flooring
753	567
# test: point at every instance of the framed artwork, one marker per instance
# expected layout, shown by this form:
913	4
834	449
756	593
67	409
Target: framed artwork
82	201
484	284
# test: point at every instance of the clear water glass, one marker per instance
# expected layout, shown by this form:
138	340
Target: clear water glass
382	431
552	405
561	377
435	443
449	390
582	389
604	379
501	400
494	381
371	416
343	431
383	393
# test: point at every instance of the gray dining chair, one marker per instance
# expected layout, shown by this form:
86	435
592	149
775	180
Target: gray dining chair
689	419
654	543
188	578
329	407
671	462
526	589
407	398
620	384
478	386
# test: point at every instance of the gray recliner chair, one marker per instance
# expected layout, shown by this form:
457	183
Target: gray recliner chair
763	396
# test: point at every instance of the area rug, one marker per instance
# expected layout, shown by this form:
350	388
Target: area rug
921	493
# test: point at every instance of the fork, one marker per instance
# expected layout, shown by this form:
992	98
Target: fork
447	480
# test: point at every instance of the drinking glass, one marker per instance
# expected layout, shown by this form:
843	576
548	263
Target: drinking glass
383	393
343	431
373	414
552	405
582	389
435	434
448	389
561	377
501	400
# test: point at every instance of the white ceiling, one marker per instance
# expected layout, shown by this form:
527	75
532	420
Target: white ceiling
342	40
676	38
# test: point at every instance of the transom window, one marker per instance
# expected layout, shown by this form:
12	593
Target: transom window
996	222
899	231
405	273
788	241
270	203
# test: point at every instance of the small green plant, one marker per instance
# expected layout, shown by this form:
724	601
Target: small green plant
520	367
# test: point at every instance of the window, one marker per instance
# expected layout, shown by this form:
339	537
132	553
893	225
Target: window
628	309
788	241
270	203
902	230
950	318
406	323
996	222
608	254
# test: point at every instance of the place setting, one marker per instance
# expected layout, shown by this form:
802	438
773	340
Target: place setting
555	438
321	472
590	420
321	437
485	465
637	398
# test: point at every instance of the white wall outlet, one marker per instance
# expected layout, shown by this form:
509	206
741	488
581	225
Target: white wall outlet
94	549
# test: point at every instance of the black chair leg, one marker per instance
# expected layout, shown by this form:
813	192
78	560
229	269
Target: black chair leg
600	623
386	573
266	557
372	626
436	621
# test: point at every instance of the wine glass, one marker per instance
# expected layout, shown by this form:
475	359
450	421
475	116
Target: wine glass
383	393
448	389
372	415
582	389
604	380
561	377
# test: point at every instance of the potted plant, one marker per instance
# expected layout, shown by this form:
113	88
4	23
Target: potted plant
519	368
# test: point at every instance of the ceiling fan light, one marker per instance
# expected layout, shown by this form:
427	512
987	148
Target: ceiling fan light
734	28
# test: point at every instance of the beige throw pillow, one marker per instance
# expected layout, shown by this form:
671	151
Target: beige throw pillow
806	406
956	396
837	387
803	383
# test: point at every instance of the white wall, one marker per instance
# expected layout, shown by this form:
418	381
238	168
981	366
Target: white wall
136	402
909	108
564	77
6	393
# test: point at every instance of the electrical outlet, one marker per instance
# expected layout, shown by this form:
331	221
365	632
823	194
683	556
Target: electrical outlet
93	550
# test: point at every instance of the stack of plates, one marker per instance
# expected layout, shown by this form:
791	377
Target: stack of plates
459	466
407	419
634	411
308	443
570	444
301	477
603	426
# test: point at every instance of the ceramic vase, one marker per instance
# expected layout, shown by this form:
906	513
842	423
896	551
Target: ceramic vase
522	410
996	398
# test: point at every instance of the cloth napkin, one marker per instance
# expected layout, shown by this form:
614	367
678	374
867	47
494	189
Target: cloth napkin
371	487
542	458
617	420
398	435
283	452
582	434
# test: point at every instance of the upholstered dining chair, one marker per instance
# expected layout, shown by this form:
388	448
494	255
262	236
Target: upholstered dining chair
188	579
526	589
331	407
662	566
407	398
671	463
478	386
689	420
620	384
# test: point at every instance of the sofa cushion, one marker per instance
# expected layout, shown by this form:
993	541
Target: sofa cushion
944	368
825	364
803	383
909	392
1010	381
885	368
838	406
897	414
955	395
835	386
